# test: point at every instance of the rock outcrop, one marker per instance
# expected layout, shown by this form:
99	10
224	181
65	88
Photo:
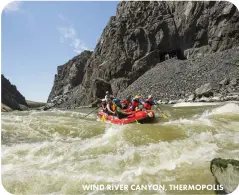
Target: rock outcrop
11	97
205	90
226	173
142	35
69	75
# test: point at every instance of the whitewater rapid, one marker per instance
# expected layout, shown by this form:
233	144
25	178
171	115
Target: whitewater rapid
58	151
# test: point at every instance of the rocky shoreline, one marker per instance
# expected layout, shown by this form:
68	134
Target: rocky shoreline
213	78
226	90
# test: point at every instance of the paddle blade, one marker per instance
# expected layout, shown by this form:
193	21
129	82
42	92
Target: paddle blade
164	116
103	118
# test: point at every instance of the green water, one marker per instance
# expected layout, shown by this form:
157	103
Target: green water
55	152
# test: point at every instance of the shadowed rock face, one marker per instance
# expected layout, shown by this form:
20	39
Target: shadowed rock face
69	75
143	34
226	173
11	97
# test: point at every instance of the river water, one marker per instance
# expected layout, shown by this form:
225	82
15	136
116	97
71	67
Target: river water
56	152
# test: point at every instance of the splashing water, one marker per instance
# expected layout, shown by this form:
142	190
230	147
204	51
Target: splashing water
55	152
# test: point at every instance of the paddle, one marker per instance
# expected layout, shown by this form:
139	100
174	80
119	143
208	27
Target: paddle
163	115
137	121
91	112
103	118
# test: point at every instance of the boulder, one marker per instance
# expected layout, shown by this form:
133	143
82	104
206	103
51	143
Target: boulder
205	90
23	107
216	99
165	102
224	82
59	101
231	98
226	173
172	102
5	108
191	98
48	106
204	99
234	82
230	89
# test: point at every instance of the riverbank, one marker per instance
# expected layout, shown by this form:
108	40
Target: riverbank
31	105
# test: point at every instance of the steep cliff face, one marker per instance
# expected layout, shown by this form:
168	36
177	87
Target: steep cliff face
205	27
143	34
11	97
69	75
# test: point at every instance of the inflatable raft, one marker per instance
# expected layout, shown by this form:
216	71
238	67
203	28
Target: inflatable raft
139	116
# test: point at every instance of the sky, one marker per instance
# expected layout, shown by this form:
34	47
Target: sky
39	36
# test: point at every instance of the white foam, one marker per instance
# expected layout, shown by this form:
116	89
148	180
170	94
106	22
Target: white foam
111	132
230	108
227	109
184	121
195	104
164	156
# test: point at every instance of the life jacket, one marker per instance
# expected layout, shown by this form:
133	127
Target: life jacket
135	103
113	107
119	114
126	104
147	106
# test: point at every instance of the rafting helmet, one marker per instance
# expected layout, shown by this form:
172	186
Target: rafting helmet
137	97
116	100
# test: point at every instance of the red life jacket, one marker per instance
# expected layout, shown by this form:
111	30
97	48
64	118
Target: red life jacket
135	104
127	103
147	106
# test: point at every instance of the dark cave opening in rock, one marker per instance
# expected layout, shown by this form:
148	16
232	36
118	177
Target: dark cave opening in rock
177	53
